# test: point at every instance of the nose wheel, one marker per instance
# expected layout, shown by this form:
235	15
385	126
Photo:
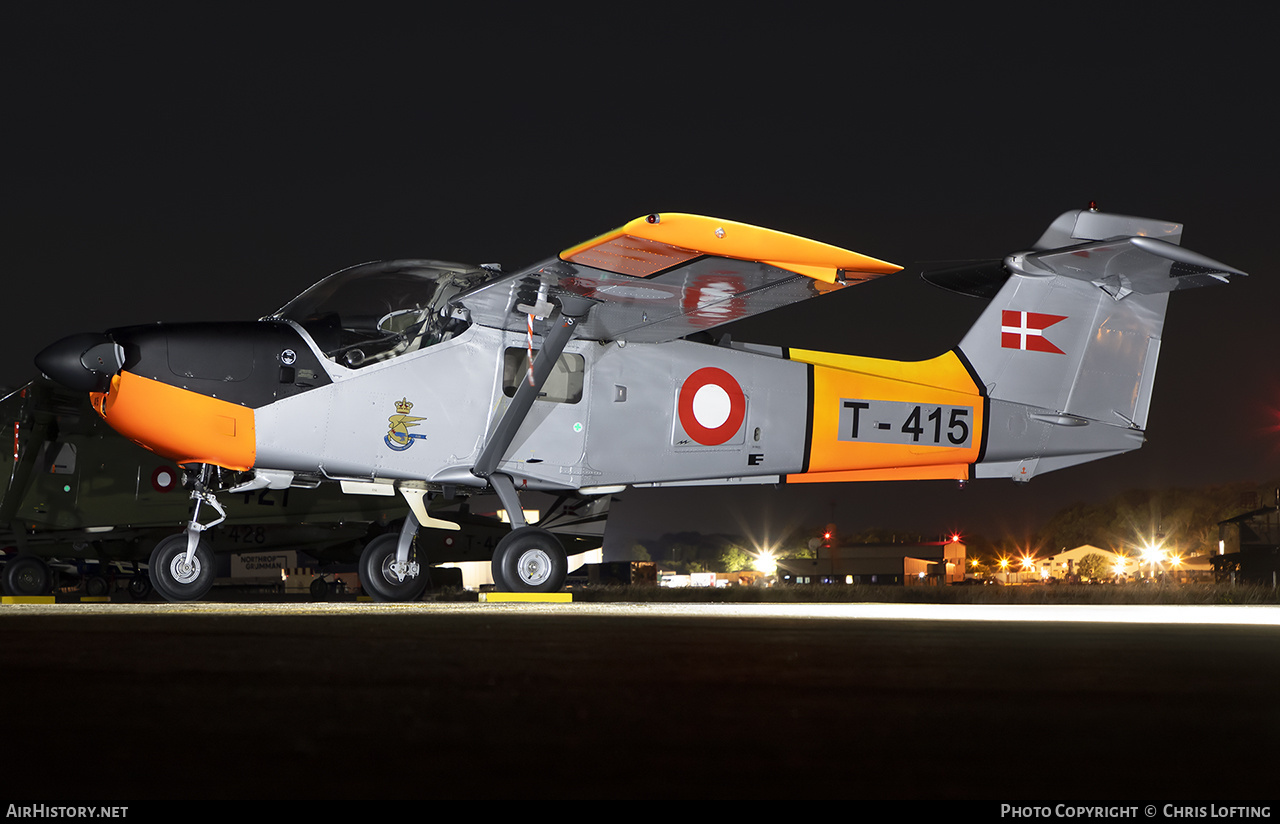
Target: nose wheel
529	559
176	578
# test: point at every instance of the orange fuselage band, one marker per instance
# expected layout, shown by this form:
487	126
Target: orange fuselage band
942	381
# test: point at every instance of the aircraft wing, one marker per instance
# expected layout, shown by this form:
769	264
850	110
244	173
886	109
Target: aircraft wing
666	276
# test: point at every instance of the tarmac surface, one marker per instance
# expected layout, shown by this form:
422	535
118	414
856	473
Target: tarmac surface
646	701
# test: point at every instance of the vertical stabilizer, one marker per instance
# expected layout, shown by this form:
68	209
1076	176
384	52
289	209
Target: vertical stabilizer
1067	349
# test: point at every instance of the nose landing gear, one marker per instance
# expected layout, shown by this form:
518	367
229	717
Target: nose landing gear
179	574
181	566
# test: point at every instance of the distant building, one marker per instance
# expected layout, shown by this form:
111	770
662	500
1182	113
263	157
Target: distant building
1249	548
745	578
1065	566
932	562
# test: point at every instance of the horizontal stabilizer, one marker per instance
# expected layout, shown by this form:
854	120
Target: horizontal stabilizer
1144	265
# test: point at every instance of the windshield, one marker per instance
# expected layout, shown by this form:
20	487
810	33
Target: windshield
376	311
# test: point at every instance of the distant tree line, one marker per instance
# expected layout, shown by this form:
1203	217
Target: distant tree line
695	552
1179	517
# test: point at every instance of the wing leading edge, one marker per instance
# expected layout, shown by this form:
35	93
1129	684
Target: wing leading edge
666	276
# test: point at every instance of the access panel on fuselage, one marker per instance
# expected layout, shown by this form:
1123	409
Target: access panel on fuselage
681	411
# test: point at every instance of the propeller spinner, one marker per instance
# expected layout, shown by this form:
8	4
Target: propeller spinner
85	362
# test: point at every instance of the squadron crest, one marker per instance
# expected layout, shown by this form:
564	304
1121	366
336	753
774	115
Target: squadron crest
399	437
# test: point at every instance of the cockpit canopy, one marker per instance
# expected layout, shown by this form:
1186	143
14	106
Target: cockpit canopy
377	311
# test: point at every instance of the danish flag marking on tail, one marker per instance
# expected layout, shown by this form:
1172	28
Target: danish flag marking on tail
1025	331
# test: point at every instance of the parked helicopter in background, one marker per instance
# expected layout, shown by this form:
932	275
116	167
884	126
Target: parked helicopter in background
83	505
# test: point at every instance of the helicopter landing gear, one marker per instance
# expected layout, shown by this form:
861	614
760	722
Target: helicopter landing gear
27	575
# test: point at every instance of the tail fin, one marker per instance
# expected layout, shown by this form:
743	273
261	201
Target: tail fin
1067	348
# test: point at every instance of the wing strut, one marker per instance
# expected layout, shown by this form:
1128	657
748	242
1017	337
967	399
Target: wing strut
563	322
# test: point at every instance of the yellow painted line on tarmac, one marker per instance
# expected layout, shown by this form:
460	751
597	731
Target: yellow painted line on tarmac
55	599
527	597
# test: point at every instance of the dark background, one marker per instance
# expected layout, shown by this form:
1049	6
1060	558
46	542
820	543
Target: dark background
205	165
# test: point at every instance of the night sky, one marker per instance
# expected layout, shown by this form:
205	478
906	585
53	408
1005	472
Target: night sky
211	167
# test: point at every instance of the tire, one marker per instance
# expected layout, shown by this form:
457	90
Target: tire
139	586
378	581
177	584
27	575
319	589
95	586
529	560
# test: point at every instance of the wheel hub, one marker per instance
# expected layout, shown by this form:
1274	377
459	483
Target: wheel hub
395	572
534	567
29	580
182	571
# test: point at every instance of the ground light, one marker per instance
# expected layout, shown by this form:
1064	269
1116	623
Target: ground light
1155	556
765	562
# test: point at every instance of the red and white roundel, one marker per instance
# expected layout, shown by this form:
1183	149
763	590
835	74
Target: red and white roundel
712	299
164	479
711	406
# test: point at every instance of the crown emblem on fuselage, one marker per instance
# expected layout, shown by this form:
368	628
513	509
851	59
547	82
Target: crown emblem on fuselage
398	436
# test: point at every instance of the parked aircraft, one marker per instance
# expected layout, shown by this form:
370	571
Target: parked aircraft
599	368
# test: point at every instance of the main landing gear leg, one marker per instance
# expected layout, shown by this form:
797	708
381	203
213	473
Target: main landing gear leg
527	559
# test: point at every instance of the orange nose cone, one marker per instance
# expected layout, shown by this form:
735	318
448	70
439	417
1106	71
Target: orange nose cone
184	426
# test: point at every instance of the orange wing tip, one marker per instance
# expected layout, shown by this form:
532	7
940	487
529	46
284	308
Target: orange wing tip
650	244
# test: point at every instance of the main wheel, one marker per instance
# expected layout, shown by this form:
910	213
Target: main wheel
27	575
380	580
529	560
173	578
